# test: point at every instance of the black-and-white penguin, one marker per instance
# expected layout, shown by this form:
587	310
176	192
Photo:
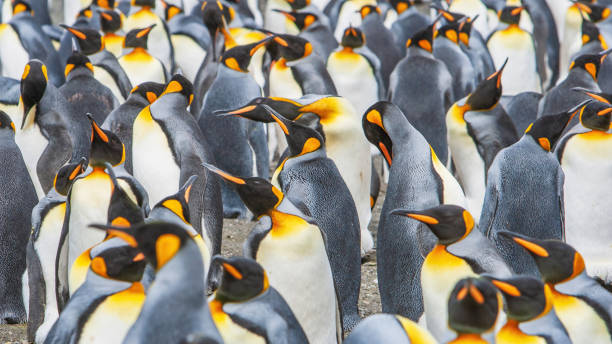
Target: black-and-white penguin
389	329
314	30
412	17
140	65
111	23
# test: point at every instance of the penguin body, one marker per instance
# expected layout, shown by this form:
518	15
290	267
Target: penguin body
387	329
472	8
18	199
571	41
315	31
140	65
348	15
409	21
13	54
523	110
110	23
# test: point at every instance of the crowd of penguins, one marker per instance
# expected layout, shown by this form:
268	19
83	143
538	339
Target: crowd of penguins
130	129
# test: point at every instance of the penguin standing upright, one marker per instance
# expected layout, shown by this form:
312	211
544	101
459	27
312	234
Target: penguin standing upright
17	200
388	329
314	30
516	45
245	308
570	37
291	248
138	64
472	8
401	243
346	13
412	17
458	253
110	23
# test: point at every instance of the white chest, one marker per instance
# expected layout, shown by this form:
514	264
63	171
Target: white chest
32	144
190	57
581	321
349	15
141	68
282	82
354	79
107	80
13	57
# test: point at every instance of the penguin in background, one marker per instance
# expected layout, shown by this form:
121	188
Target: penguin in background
575	295
84	92
478	54
72	8
246	308
142	15
347	15
420	86
389	329
402	243
139	65
121	119
17	200
356	71
518	47
47	223
523	109
232	87
530	312
50	131
571	41
380	40
411	19
459	252
312	182
111	23
592	43
539	200
10	90
22	39
478	128
312	29
472	8
292	249
474	306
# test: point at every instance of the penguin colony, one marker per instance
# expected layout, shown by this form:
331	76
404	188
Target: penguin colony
130	129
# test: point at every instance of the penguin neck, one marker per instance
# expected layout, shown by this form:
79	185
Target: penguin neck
79	72
186	265
471	338
417	51
138	51
347	50
280	64
581	74
512	333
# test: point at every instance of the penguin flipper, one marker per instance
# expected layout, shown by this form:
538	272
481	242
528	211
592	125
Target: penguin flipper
481	255
560	195
257	234
61	264
36	285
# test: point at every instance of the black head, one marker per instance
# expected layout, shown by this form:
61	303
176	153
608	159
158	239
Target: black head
238	58
170	10
449	223
510	15
33	85
105	4
122	211
424	38
556	260
137	38
298	4
450	31
85	13
149	90
473	306
590	63
255	111
179	84
258	194
143	3
76	61
596	115
487	93
353	38
300	138
124	263
289	47
158	241
67	174
374	128
301	19
179	202
594	11
21	6
105	146
526	296
216	16
6	124
448	15
242	278
110	21
369	9
465	30
90	40
401	5
546	130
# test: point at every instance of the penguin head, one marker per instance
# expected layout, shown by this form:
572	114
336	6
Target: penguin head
137	38
547	130
255	111
216	16
302	20
592	11
402	5
105	146
238	58
450	31
449	223
298	4
557	261
374	127
6	124
465	30
473	306
590	63
300	138
105	4
178	203
90	41
85	13
449	16
353	38
143	3
33	85
596	115
487	93
289	47
369	9
149	90
21	6
67	174
122	210
526	297
242	278
179	84
258	194
78	61
591	33
510	15
424	38
118	262
110	21
170	10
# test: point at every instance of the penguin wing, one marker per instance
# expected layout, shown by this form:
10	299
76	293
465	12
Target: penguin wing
269	316
548	327
59	148
36	286
109	63
491	200
480	253
313	77
376	67
61	263
257	234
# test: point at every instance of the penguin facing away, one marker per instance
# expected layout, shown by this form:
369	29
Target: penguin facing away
388	329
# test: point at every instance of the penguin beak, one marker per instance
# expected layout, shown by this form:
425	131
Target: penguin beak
96	130
282	122
517	10
530	246
286	14
117	231
595	95
227	266
505	287
186	189
224	174
420	216
497	75
78	34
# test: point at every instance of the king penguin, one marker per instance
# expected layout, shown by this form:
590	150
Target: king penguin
412	17
247	309
16	203
472	8
291	248
581	303
458	253
9	96
139	65
314	30
389	329
111	23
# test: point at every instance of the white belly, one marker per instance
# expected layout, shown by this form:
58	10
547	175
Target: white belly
139	71
190	55
354	79
587	166
14	112
158	44
32	144
282	83
572	40
452	192
580	320
233	333
298	268
275	21
349	15
107	80
72	8
13	56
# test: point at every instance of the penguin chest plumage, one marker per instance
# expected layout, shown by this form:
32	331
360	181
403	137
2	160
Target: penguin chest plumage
32	144
581	321
190	57
349	15
439	274
106	79
13	57
511	334
141	67
293	253
153	159
89	201
158	42
114	44
451	190
354	79
111	320
78	271
282	81
471	8
587	167
229	330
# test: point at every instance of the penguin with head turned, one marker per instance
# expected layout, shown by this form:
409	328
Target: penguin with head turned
246	308
529	308
121	119
523	109
389	329
412	17
582	304
460	252
417	180
312	29
110	24
140	65
47	223
292	249
593	42
17	200
420	86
